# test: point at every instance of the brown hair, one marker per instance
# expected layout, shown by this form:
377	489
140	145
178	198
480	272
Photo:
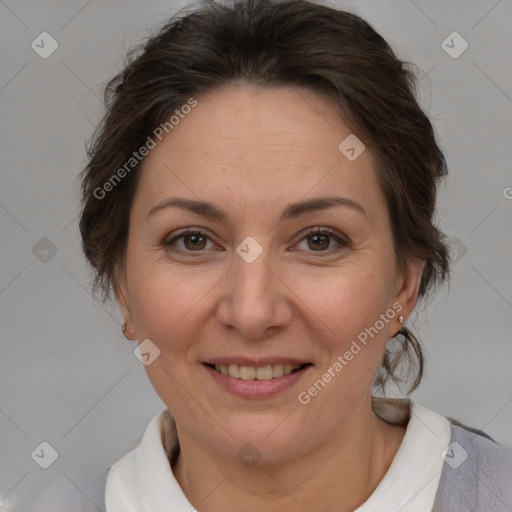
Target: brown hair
268	43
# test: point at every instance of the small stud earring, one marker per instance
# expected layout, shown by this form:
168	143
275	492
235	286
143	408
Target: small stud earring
125	329
403	331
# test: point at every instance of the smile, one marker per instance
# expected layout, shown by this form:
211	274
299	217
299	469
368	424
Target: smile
267	372
256	377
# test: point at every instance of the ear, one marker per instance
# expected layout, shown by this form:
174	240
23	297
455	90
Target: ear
407	288
121	292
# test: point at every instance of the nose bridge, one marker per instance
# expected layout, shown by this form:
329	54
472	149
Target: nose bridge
251	302
252	275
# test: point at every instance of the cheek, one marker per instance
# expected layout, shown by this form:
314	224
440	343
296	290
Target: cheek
351	302
354	339
164	311
162	301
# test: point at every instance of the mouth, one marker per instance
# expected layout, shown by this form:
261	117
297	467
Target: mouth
261	373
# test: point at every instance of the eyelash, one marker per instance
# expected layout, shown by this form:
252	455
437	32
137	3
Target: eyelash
342	242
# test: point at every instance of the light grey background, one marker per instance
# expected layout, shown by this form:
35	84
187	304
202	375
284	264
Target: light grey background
68	376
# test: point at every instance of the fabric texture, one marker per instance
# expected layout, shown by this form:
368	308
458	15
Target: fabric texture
441	466
482	482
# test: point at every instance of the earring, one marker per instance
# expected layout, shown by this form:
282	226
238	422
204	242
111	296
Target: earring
125	329
403	331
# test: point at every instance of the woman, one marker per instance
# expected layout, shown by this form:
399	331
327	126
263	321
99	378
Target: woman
260	199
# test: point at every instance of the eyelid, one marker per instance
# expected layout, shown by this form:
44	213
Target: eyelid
168	241
343	240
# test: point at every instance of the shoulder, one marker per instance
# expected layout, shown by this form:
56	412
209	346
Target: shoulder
62	494
477	473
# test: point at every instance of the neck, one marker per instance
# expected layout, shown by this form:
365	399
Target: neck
340	473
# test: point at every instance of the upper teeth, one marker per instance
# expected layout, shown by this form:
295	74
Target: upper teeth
256	372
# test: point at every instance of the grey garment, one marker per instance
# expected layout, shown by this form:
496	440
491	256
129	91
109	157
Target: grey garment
477	473
480	482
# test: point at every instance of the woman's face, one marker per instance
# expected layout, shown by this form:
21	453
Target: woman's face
255	287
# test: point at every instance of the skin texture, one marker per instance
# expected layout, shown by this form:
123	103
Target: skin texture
252	151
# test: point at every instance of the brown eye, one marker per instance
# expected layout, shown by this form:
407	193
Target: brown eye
320	240
192	241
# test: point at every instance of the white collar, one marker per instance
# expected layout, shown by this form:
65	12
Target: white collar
143	481
412	480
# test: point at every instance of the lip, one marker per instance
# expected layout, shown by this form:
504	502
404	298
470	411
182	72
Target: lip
256	388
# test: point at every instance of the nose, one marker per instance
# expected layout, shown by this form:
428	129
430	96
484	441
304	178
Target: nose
255	300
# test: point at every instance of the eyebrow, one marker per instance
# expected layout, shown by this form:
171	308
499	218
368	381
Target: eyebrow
293	210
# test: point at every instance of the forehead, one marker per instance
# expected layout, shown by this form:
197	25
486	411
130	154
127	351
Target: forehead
245	144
